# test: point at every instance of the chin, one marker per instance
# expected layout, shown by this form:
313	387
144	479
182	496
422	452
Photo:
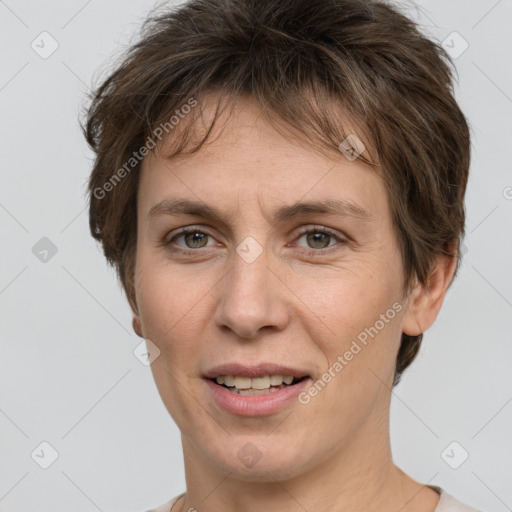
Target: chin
258	460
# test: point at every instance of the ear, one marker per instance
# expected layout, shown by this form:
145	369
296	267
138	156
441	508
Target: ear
132	300
425	301
136	323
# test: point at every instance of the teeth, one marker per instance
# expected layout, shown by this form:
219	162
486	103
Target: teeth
256	383
250	392
276	380
259	382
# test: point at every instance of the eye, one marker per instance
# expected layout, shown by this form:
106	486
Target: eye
194	238
319	238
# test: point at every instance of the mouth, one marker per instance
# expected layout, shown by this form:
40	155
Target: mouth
262	385
255	391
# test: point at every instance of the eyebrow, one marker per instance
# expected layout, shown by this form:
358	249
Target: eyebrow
341	207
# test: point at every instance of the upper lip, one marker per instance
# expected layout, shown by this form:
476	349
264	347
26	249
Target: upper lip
254	370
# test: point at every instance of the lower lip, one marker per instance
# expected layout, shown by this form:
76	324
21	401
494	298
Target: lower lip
255	405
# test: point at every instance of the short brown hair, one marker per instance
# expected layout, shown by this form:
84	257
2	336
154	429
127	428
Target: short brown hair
311	65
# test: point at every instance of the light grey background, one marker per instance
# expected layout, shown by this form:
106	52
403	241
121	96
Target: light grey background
68	375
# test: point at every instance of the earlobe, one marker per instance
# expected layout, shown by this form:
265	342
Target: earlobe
136	325
425	301
411	320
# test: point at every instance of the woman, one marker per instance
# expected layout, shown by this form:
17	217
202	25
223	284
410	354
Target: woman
280	187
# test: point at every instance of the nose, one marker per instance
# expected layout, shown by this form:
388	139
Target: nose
252	299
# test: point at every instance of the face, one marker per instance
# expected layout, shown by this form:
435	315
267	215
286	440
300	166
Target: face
269	281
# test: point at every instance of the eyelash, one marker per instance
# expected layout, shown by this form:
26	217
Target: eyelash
304	231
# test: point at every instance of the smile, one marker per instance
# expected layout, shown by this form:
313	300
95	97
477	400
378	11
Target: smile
257	385
250	401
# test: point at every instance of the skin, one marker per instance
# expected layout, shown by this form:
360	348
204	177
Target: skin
210	306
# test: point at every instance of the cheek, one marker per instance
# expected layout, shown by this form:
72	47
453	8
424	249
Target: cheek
360	350
346	301
356	323
172	306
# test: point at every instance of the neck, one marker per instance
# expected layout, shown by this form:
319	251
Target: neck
359	476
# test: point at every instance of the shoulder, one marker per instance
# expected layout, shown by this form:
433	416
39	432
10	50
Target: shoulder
449	503
166	507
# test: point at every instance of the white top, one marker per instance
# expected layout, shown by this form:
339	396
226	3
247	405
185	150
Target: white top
447	503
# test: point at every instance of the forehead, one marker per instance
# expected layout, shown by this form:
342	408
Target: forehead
247	157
